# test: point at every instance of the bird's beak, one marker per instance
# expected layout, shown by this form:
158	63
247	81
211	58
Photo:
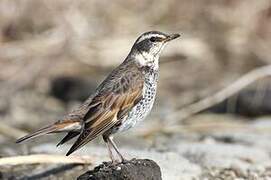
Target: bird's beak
171	37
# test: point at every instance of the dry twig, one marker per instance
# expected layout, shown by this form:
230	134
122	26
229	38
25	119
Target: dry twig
220	96
45	159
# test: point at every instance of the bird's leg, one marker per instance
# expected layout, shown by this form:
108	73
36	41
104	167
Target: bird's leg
108	145
110	153
110	140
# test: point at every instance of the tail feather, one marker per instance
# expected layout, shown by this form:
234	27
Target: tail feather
68	137
61	126
40	132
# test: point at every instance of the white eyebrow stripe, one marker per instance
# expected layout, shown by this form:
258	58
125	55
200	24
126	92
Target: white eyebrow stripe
149	36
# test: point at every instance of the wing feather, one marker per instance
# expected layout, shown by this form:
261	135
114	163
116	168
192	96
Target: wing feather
117	95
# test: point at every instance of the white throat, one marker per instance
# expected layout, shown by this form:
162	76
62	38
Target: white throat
147	59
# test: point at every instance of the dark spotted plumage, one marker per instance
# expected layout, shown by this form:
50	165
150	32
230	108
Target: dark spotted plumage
124	98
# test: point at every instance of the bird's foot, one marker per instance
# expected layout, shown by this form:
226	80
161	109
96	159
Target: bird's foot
114	162
124	161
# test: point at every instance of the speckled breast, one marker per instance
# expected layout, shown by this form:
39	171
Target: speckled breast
144	106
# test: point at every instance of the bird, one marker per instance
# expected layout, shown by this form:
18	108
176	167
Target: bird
123	99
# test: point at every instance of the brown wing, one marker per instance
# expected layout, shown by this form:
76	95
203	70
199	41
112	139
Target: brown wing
115	97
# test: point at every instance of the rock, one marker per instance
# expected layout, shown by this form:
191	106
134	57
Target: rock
131	170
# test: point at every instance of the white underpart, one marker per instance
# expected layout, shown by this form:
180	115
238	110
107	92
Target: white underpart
143	107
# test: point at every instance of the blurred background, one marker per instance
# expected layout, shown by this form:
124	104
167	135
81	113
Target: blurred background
53	54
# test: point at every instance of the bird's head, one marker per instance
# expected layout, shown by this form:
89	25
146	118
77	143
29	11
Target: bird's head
149	45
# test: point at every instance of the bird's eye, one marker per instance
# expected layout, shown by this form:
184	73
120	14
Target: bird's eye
156	39
152	39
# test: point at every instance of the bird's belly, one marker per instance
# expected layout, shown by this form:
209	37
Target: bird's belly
142	108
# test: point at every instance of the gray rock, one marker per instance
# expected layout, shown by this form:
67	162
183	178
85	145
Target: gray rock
131	170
